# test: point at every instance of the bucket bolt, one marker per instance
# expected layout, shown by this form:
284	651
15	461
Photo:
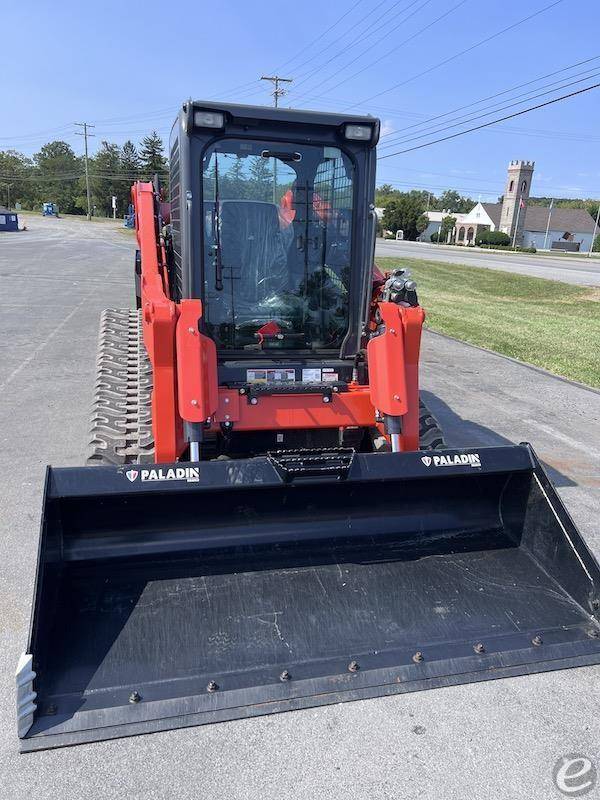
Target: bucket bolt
50	710
212	686
418	657
479	647
285	676
135	697
537	641
353	666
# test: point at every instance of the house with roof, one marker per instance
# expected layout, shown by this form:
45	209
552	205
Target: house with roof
551	228
570	229
435	222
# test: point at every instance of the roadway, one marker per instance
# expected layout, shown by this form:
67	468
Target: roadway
568	269
496	739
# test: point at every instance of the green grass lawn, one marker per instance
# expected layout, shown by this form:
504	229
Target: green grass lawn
550	324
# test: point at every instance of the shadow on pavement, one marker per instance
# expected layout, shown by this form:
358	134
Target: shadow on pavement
460	432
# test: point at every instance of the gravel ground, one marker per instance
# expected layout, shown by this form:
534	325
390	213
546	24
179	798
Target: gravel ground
497	739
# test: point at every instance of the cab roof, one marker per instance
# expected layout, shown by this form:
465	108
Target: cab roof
297	115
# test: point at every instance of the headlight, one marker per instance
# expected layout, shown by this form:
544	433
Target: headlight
361	133
209	119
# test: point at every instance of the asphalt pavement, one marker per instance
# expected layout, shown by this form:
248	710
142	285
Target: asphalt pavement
495	739
569	269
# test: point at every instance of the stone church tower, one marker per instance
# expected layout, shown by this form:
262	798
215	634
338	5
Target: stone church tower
518	185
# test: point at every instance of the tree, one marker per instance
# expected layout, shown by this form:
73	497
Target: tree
446	227
260	182
592	208
385	193
131	163
494	238
57	171
16	170
130	168
105	174
152	155
406	213
234	181
451	200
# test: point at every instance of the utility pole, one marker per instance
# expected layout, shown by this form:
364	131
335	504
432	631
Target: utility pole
548	225
85	134
8	188
514	244
277	92
594	233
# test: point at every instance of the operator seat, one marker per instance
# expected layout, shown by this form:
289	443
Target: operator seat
252	250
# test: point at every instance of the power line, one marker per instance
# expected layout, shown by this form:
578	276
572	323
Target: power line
248	84
477	116
364	33
331	44
479	179
493	122
461	53
493	96
320	36
393	49
429	187
35	135
563	136
361	37
78	176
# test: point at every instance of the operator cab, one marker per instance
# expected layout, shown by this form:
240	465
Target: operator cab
273	229
277	245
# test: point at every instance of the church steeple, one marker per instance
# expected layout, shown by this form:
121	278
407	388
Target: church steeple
516	194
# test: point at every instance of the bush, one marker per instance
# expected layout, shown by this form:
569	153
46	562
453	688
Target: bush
507	247
434	238
497	238
596	247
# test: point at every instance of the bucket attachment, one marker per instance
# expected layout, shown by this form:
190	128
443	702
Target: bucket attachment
182	594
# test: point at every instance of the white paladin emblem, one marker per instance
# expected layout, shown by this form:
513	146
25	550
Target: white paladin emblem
132	474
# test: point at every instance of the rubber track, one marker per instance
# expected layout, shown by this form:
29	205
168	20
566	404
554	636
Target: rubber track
121	427
430	433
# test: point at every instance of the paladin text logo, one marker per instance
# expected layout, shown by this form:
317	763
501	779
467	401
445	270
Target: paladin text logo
458	460
188	474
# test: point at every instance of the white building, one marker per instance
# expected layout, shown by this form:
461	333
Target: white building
570	229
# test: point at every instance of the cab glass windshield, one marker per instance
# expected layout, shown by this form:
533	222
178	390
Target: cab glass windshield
277	245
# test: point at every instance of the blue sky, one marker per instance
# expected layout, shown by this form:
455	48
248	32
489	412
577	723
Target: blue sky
126	66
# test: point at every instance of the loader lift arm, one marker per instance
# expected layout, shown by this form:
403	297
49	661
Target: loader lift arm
186	389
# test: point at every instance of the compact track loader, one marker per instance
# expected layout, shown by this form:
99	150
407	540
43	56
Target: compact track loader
273	520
